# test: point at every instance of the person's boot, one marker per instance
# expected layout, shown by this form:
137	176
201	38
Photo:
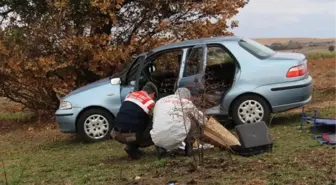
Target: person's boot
188	149
160	152
140	152
136	148
132	153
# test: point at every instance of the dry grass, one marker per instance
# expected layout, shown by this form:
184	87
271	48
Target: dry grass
321	55
323	73
9	106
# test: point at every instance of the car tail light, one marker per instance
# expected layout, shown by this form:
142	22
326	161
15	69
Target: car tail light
296	71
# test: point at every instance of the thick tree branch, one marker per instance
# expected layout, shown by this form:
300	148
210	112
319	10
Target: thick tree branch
5	13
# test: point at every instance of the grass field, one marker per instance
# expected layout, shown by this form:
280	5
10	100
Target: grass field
45	156
34	153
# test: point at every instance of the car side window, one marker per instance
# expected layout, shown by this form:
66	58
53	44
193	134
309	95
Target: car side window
220	67
167	62
164	70
217	55
194	62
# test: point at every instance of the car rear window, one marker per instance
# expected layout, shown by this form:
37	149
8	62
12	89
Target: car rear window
256	49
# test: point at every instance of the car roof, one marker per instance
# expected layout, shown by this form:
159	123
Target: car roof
196	42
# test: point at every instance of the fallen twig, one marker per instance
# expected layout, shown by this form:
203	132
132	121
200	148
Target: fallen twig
5	174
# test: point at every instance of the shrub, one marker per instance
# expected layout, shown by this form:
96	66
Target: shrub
58	46
331	48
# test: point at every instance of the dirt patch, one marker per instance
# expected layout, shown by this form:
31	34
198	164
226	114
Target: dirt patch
9	106
316	105
27	125
323	74
313	159
292	166
180	172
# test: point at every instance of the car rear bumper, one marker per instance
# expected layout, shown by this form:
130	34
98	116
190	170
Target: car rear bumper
287	107
286	96
66	119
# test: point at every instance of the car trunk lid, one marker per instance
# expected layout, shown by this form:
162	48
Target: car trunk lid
288	56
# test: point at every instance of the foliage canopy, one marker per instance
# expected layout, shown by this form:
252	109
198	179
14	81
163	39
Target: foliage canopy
52	47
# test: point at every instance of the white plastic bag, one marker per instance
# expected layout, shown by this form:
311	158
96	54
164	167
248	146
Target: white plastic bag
205	146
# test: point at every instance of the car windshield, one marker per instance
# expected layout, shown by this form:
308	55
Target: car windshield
256	48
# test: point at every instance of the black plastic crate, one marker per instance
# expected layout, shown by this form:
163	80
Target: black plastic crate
254	139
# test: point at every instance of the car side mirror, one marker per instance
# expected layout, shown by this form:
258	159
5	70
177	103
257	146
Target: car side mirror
115	81
132	82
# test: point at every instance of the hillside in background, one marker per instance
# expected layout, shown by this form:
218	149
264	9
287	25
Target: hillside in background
269	41
313	48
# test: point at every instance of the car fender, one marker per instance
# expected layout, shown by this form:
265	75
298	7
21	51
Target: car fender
289	91
106	96
236	91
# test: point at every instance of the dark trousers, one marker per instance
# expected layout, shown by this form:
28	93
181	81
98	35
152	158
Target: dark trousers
134	140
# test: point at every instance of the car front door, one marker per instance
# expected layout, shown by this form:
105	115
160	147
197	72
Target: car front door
131	80
193	68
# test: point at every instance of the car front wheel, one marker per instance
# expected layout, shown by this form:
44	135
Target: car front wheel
95	125
250	109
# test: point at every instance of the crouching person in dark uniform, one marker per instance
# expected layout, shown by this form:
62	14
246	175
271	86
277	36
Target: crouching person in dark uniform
133	122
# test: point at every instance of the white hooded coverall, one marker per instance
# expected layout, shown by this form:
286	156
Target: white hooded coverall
171	119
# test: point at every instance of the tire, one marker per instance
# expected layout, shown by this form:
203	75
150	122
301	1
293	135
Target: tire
100	128
259	112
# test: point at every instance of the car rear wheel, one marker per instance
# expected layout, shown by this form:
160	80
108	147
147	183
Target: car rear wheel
250	109
95	125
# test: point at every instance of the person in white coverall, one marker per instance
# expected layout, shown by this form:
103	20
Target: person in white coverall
175	120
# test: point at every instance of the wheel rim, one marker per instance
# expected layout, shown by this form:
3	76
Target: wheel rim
96	126
250	111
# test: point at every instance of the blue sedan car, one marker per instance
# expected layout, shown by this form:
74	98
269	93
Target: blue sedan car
257	82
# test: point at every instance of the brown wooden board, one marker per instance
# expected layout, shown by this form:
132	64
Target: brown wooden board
217	135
